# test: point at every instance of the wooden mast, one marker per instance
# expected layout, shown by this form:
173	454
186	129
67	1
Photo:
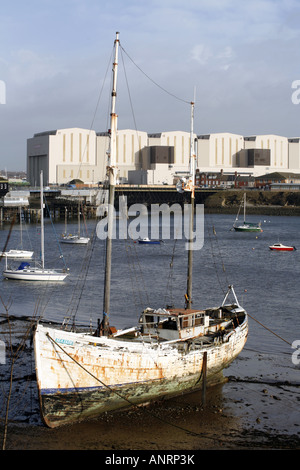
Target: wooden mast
42	219
191	187
112	173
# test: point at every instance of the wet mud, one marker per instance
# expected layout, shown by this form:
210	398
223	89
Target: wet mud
255	411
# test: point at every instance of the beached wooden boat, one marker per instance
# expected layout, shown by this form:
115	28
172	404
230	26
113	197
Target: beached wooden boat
169	352
81	376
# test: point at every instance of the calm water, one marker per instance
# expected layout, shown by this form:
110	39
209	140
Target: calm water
266	283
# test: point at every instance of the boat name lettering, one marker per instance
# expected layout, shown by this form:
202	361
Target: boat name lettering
64	341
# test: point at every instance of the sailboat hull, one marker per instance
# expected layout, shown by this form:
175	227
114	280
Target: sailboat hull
34	275
81	376
75	240
247	228
18	254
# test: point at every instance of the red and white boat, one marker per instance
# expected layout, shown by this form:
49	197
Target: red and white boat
281	247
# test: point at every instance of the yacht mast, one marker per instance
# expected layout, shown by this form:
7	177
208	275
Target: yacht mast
191	188
42	219
112	173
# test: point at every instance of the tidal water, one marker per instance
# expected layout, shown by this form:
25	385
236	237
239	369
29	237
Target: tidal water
263	388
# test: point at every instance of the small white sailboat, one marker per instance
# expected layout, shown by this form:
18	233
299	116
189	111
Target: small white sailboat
148	241
74	239
169	352
246	226
19	253
25	272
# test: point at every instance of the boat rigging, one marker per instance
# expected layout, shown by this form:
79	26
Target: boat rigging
80	375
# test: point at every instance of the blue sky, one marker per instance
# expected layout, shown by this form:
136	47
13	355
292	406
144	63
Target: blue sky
241	57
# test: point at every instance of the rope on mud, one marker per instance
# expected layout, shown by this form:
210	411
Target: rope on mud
126	399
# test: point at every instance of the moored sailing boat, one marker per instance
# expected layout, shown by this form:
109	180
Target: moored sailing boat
281	247
25	272
81	375
148	241
75	239
19	253
246	226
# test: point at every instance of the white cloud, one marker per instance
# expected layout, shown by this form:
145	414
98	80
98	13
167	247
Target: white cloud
239	55
201	54
28	67
206	56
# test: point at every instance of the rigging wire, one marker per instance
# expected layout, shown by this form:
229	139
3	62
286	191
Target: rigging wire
80	283
60	250
135	126
227	281
169	287
153	81
136	276
129	95
95	113
215	255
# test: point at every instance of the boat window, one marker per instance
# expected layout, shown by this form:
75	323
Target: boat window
187	321
169	324
199	320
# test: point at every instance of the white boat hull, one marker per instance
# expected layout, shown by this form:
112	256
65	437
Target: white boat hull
18	254
280	247
81	376
75	240
247	228
33	274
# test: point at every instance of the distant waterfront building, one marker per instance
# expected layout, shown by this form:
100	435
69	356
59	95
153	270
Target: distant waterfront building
276	144
129	150
75	153
219	150
63	155
161	158
294	153
254	155
164	159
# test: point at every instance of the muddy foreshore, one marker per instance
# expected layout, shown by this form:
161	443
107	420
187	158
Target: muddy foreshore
172	425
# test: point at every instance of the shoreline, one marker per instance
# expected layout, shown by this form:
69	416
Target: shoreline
257	210
177	424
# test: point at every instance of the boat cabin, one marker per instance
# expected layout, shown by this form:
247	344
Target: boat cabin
174	324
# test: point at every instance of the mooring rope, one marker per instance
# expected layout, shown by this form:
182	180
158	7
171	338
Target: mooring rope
124	398
273	333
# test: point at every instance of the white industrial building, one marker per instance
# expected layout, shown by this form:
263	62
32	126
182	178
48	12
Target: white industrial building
294	153
254	155
278	146
130	144
165	157
63	155
219	150
142	158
